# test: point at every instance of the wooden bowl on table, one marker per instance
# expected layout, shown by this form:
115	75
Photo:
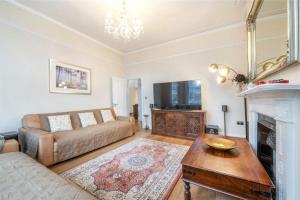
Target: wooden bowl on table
220	143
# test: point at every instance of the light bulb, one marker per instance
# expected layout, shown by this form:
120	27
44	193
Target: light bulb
213	68
221	79
224	71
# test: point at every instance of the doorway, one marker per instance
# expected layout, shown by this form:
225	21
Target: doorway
134	88
119	96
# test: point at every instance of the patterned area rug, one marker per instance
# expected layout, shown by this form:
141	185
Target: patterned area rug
142	169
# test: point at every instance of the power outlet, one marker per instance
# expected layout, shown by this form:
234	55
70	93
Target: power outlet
240	123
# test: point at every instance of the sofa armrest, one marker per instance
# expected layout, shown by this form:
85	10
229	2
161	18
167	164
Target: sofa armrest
10	145
45	151
130	119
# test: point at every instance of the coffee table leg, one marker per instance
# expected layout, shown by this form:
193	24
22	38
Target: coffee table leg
187	191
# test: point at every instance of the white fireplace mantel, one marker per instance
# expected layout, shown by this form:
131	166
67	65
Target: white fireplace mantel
281	102
270	88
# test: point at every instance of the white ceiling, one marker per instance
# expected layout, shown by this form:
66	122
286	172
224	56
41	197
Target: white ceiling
164	20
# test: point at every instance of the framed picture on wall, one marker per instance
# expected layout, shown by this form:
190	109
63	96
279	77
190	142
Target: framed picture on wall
69	79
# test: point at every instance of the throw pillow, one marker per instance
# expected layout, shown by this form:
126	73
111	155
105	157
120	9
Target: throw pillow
87	119
60	123
107	116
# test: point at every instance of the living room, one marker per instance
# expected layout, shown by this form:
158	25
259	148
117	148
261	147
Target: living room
66	63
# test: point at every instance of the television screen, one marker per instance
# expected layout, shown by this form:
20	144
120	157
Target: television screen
178	95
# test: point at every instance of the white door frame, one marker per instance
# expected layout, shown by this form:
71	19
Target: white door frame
140	98
119	96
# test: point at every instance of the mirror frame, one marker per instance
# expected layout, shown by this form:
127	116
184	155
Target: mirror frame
293	40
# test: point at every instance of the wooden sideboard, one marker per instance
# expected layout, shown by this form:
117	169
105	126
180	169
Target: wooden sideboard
178	123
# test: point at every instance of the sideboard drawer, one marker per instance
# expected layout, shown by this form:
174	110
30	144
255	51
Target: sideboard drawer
177	123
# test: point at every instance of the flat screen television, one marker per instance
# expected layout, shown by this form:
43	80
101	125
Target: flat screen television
184	95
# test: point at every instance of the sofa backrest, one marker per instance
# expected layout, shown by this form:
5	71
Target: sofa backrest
40	121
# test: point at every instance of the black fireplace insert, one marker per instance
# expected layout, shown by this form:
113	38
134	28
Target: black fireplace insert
266	145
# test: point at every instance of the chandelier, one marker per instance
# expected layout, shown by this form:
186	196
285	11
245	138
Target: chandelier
125	27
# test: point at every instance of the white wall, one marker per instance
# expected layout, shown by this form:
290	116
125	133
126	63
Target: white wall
27	42
291	73
188	59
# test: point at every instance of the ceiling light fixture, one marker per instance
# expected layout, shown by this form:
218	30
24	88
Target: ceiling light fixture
125	27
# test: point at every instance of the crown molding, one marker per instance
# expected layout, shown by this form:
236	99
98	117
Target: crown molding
64	44
191	36
271	17
26	8
124	53
189	52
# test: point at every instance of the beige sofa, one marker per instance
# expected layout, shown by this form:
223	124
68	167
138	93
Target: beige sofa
24	178
60	146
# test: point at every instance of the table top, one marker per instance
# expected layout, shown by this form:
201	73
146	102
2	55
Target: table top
240	163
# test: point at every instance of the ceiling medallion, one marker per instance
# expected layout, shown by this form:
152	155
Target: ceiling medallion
125	27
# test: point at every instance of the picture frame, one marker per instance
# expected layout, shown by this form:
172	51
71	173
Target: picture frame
293	48
68	78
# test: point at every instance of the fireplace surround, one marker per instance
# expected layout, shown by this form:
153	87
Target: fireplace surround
280	102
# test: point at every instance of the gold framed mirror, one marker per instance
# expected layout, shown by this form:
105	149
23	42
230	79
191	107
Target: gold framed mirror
273	37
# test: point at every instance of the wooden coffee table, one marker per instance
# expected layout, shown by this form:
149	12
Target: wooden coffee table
237	172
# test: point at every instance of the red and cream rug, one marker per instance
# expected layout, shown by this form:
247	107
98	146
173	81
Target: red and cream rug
142	169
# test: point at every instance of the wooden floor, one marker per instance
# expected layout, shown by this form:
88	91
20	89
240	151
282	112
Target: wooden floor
177	194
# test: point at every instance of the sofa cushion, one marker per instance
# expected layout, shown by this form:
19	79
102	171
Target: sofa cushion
111	132
70	145
24	178
87	119
87	139
40	121
107	116
31	121
60	123
76	120
44	122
